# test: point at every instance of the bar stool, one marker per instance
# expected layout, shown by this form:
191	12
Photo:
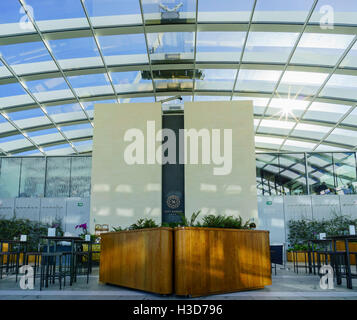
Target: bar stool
49	271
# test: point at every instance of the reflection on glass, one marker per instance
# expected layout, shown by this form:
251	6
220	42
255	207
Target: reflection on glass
320	171
32	182
81	176
57	177
9	177
169	11
171	47
345	171
293	172
216	79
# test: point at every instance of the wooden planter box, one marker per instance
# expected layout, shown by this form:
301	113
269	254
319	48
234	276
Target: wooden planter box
216	260
139	259
301	257
340	246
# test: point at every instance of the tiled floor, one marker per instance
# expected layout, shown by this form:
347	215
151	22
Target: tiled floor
286	285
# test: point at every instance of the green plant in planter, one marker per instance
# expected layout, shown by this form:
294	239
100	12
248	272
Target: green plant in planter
117	229
11	228
143	224
223	221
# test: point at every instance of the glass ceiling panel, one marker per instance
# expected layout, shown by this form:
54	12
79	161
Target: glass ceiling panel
219	46
169	11
275	127
28	57
310	131
28	115
287	108
48	12
351	118
304	83
328	112
130	82
74	53
66	112
294	145
49	89
257	80
91	84
269	47
13	94
341	86
171	47
98	8
10	12
38	133
224	10
351	58
320	48
131	45
89	105
346	137
211	98
216	79
139	100
282	11
80	126
342	11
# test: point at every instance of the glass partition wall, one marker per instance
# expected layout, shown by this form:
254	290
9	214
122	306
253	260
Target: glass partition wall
277	174
306	173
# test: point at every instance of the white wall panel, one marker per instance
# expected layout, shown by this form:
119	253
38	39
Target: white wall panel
27	208
324	207
271	217
348	205
77	213
297	207
52	209
7	207
235	192
122	193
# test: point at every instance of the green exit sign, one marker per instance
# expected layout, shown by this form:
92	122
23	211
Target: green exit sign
269	203
80	204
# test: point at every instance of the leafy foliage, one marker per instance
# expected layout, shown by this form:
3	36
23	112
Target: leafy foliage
223	221
116	229
11	228
302	230
143	224
208	221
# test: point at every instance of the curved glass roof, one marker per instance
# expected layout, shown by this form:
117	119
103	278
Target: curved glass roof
297	61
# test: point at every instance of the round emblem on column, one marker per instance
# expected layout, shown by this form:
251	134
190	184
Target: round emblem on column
173	202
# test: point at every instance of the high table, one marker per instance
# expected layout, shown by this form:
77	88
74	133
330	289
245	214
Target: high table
10	251
346	239
72	240
311	251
